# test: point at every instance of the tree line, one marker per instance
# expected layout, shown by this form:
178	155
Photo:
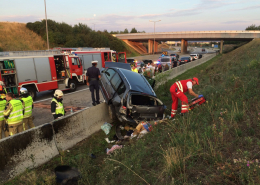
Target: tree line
133	30
253	27
79	35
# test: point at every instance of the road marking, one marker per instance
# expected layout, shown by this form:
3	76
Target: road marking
64	95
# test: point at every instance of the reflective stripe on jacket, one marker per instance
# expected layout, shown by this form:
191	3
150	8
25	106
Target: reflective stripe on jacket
182	85
59	107
16	115
28	102
2	108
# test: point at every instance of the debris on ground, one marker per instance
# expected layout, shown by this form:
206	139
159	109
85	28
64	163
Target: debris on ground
106	127
92	156
108	141
114	147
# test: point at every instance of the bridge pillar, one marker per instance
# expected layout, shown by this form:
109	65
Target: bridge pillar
184	46
221	46
156	47
150	46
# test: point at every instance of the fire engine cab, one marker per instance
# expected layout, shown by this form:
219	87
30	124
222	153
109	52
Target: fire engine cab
40	72
102	55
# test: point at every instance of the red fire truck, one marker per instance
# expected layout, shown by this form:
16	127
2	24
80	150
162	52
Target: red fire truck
48	70
102	55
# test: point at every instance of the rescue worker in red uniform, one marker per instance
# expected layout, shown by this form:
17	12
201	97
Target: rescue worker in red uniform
177	91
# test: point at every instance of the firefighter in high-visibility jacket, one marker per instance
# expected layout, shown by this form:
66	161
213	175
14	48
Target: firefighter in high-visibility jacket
2	119
28	106
134	69
57	108
177	91
2	108
13	114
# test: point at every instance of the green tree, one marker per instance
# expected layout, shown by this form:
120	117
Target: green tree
253	27
133	30
126	31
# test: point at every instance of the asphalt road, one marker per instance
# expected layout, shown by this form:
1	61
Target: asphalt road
81	98
74	101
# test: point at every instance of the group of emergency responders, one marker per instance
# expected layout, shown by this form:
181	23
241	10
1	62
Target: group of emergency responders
16	114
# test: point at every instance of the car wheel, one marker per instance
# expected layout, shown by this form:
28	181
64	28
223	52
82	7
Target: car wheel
112	113
73	85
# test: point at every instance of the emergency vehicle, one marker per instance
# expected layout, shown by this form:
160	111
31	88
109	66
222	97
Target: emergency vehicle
102	55
41	72
61	69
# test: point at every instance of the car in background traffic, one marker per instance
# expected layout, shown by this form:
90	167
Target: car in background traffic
129	96
130	61
184	60
195	56
166	60
176	56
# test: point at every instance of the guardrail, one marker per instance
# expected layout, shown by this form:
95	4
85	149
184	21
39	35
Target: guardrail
36	146
172	73
185	32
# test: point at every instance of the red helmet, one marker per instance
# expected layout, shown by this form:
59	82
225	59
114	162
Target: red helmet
196	79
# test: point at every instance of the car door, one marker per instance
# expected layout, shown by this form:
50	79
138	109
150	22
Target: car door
75	66
105	85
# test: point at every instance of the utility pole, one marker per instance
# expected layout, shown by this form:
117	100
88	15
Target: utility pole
154	34
46	25
94	26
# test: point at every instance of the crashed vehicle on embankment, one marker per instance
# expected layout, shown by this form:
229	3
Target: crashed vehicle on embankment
129	95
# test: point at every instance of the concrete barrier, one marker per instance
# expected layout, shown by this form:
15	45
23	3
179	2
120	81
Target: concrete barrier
36	146
172	73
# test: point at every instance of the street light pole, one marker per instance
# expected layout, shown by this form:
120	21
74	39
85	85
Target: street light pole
94	26
46	25
154	34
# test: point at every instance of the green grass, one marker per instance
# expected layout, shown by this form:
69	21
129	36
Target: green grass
217	143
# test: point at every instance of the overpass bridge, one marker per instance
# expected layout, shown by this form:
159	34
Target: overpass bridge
134	39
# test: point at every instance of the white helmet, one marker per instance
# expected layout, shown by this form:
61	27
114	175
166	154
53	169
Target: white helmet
58	93
23	91
2	83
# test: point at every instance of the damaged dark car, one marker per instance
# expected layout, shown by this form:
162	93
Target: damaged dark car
129	95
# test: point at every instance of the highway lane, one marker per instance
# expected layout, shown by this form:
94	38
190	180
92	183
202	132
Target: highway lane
74	101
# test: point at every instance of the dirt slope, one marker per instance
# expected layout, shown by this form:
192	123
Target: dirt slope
16	37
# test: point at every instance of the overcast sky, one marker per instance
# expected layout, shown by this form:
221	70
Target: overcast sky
175	15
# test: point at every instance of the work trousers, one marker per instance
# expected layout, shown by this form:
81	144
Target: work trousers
93	86
176	95
15	128
28	123
2	128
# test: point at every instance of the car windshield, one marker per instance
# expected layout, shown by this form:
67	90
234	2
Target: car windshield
185	58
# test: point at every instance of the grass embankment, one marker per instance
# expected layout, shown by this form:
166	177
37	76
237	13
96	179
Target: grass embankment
16	37
217	143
